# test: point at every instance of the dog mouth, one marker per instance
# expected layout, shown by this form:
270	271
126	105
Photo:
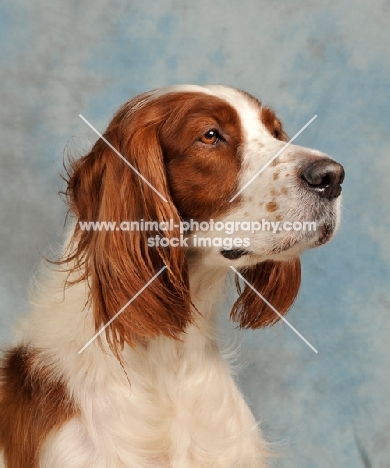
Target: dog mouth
321	236
287	243
325	233
291	244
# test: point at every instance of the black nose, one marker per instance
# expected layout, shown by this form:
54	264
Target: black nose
324	177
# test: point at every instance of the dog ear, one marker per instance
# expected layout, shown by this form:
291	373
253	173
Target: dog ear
119	263
277	282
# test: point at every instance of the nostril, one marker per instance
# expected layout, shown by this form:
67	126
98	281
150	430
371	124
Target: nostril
324	177
317	180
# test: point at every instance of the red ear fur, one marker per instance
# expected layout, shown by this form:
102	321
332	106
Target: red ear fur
278	282
117	264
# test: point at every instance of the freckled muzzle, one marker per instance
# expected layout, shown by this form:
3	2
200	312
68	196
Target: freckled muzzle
322	177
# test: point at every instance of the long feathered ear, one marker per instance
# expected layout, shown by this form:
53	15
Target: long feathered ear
277	282
117	264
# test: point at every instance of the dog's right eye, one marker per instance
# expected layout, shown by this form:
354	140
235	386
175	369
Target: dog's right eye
211	137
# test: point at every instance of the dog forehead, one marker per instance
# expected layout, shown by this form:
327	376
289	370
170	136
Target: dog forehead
247	107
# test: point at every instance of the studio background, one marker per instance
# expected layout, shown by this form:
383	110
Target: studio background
330	58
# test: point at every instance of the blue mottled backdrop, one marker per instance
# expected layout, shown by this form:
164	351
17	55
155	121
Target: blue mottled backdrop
330	58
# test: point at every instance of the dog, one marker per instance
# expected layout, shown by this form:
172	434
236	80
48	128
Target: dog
118	364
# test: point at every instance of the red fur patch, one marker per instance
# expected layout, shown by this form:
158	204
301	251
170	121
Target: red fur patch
278	282
33	403
273	124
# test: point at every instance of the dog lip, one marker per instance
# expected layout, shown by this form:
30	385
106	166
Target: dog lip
326	233
234	254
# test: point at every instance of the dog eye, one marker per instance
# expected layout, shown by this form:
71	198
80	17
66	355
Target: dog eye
211	137
276	133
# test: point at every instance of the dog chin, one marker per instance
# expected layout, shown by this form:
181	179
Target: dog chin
287	246
292	246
